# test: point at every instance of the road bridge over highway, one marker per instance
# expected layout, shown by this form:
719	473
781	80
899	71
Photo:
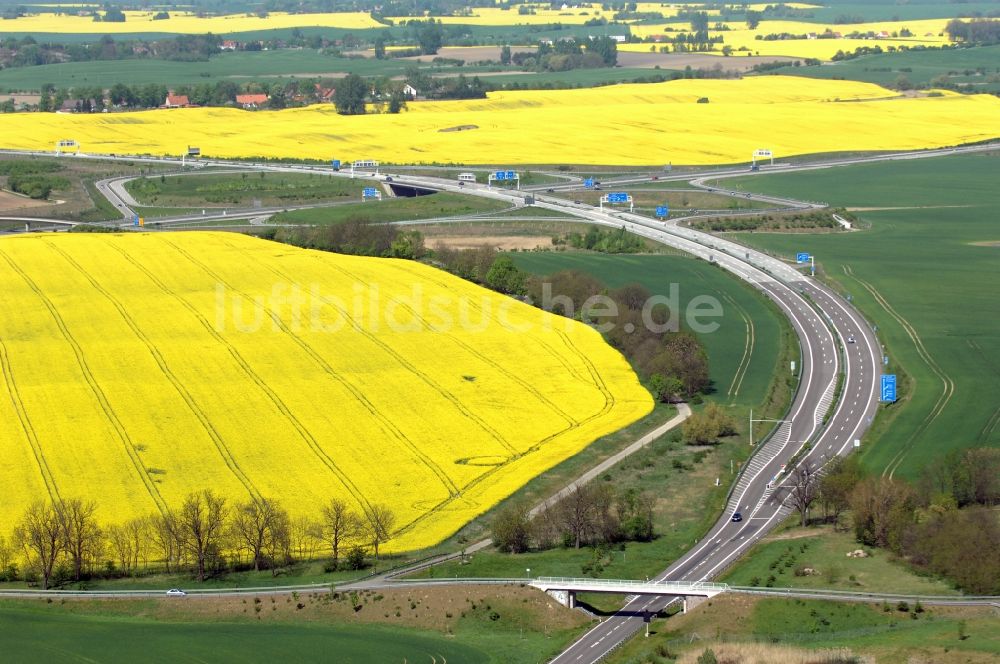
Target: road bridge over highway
565	588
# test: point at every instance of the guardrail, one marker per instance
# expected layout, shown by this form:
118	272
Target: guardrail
853	594
631	583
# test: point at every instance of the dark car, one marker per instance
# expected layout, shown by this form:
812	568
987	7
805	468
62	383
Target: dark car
388	178
737	517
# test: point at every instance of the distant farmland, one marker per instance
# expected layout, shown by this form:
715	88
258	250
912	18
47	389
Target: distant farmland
680	122
140	368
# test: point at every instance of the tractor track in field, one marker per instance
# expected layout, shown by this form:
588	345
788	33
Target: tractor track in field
178	385
406	364
948	385
525	385
95	388
279	405
318	359
26	426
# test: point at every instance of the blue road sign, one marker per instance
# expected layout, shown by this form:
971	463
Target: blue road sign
500	175
802	257
511	175
662	211
589	183
618	197
135	220
369	192
888	387
335	164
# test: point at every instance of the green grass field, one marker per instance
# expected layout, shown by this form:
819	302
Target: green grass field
646	199
502	624
393	209
825	552
254	66
927	275
979	67
891	10
38	634
879	633
229	189
731	356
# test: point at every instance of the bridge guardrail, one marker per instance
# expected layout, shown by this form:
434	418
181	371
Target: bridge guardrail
560	580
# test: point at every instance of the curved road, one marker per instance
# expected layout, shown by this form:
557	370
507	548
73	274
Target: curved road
823	322
821	423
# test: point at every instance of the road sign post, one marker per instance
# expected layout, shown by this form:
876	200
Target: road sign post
616	197
363	163
803	257
762	154
504	176
67	144
888	388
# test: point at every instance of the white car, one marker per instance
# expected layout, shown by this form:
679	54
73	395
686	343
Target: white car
850	339
176	592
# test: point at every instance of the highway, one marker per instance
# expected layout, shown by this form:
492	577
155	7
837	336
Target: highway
822	422
823	323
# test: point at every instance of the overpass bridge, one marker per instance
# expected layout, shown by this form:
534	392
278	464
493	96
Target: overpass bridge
565	589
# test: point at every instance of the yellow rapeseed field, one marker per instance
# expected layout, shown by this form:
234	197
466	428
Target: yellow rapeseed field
623	124
929	32
186	23
140	367
486	16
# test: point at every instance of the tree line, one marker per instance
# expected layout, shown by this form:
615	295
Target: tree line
591	514
944	523
56	542
976	31
33	178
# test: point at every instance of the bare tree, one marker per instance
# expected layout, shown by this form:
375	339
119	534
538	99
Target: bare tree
40	534
511	528
81	532
201	522
6	554
836	484
803	489
379	522
164	530
279	545
122	546
254	525
341	525
881	508
306	536
576	512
